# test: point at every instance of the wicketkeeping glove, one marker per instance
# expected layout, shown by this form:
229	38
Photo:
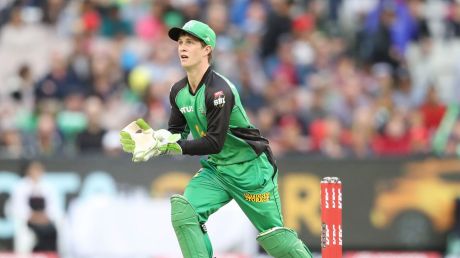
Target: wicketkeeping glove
167	142
143	142
138	138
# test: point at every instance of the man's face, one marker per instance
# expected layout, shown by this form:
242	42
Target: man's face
191	51
35	171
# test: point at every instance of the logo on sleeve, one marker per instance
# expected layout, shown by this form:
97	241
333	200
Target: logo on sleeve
219	99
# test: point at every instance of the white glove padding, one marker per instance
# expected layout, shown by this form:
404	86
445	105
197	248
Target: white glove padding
138	138
167	142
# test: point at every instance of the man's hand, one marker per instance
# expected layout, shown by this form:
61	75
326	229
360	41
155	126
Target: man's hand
138	138
167	142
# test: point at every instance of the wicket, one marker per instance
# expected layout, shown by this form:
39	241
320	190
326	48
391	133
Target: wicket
331	217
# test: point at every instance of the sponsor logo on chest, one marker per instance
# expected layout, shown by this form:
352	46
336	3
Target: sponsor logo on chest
186	109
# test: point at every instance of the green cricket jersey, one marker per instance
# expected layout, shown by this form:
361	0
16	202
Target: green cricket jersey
217	120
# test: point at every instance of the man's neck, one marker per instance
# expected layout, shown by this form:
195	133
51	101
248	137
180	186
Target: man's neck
194	76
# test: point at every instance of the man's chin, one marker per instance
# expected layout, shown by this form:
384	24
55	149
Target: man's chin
186	66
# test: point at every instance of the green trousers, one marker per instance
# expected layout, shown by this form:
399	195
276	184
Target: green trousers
253	185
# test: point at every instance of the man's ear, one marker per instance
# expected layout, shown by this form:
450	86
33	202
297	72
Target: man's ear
208	49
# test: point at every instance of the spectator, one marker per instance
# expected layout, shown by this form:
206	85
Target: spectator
156	111
432	110
41	225
59	82
34	206
453	144
318	103
51	11
11	144
266	121
291	139
4	11
16	39
250	78
112	23
47	140
151	26
453	20
90	19
383	49
283	67
302	49
335	143
107	76
420	23
402	95
90	139
17	102
395	138
396	20
419	134
252	17
278	22
224	57
71	120
348	101
80	61
252	99
22	91
190	9
362	132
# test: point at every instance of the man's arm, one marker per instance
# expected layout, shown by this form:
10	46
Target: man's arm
177	122
219	105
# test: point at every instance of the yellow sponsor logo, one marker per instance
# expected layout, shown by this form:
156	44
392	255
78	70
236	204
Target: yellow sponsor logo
263	197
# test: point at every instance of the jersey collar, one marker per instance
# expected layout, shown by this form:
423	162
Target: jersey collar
203	80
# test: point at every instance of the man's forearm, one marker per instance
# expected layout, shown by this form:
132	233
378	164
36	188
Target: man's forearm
203	146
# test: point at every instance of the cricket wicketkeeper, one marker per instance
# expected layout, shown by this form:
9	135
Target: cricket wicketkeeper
239	165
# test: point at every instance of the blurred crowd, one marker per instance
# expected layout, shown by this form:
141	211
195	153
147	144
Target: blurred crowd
334	78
